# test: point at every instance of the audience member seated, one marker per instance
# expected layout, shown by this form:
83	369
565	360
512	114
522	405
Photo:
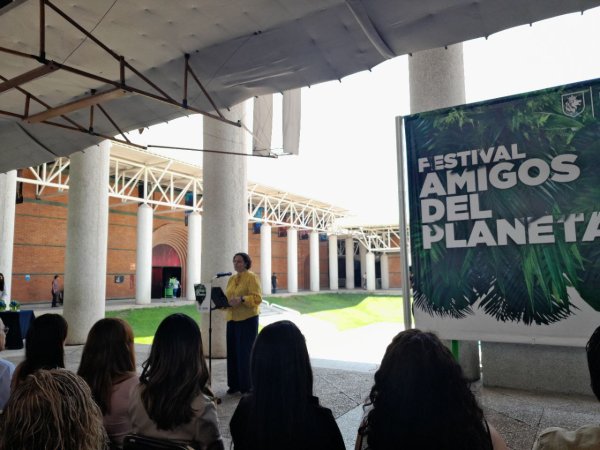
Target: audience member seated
6	369
173	400
52	410
281	411
44	346
108	366
588	436
421	401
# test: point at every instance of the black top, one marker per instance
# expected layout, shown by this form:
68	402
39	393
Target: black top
319	431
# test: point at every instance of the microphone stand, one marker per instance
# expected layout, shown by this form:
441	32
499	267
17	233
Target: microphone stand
210	310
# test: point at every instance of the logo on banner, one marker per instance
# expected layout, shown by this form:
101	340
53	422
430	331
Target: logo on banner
573	104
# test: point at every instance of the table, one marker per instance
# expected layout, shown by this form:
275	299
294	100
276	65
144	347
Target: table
18	324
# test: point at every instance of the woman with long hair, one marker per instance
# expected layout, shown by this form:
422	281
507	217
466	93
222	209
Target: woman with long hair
422	401
108	367
52	410
173	400
44	346
281	411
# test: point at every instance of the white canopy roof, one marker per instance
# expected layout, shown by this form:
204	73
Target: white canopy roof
128	57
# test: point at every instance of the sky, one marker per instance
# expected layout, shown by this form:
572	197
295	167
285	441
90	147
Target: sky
348	141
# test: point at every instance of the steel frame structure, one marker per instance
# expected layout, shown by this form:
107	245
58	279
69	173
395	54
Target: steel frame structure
165	189
93	99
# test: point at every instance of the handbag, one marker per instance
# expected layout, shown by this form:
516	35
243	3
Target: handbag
139	442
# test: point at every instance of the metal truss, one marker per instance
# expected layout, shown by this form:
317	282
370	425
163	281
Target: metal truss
170	186
286	210
376	238
156	184
92	100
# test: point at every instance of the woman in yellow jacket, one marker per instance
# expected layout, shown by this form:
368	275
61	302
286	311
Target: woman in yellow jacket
244	294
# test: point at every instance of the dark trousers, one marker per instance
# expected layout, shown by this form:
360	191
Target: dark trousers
240	339
54	299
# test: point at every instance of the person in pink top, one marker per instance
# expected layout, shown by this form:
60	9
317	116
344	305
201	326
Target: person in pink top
108	366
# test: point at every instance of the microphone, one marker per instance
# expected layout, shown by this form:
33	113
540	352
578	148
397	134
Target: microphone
223	274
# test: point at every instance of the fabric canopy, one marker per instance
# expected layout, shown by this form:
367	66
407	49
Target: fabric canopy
237	49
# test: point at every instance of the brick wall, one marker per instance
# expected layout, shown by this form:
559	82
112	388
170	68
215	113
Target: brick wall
41	236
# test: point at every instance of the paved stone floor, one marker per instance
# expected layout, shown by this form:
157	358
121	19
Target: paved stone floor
344	364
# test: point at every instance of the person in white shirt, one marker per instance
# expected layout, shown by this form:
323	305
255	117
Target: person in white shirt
6	369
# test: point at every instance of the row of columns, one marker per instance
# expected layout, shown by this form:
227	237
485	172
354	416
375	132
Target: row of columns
367	262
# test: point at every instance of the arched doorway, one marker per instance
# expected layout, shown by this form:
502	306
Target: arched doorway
165	264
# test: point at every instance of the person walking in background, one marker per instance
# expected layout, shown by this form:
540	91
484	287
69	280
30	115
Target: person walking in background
421	400
52	409
55	291
281	411
6	369
173	400
3	292
108	367
273	283
244	294
176	287
44	346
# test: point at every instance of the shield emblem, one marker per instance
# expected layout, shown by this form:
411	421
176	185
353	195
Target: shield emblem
573	103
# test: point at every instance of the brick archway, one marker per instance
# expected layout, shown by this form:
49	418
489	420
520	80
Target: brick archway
175	236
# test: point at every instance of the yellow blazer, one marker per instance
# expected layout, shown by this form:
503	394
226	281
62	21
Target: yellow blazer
244	284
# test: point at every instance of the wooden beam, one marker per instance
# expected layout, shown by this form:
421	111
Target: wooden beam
76	105
28	76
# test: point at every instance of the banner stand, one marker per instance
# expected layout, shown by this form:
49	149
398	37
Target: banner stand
406	287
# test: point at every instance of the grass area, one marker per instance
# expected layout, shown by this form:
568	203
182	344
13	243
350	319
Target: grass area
145	321
345	311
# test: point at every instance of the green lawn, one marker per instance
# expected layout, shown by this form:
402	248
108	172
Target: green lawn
345	311
145	321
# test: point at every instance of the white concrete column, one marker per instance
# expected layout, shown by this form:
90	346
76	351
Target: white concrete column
362	252
333	263
193	254
225	215
385	271
437	80
87	236
143	264
292	260
8	195
349	263
314	261
265	257
370	269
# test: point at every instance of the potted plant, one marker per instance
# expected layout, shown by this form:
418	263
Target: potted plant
14	305
2	305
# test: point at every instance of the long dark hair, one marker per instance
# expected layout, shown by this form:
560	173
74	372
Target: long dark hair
421	399
108	357
593	357
282	386
1	282
44	344
174	373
